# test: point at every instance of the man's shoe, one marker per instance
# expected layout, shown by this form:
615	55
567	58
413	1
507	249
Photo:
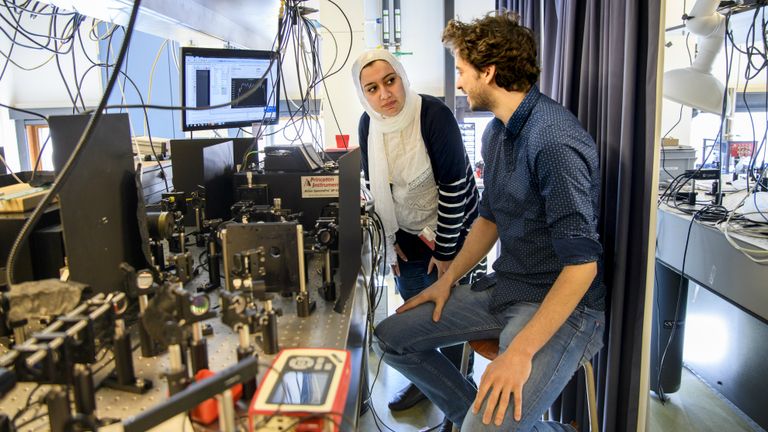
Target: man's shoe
406	398
447	426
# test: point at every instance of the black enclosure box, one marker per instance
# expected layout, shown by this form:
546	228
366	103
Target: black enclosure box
292	158
48	252
210	163
99	200
153	180
335	154
31	259
350	234
280	260
301	192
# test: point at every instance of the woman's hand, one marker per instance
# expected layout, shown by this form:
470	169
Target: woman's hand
401	255
442	266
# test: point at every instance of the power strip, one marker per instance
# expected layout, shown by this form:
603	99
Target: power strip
703	174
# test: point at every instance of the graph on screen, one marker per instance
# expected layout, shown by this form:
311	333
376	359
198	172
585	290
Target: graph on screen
241	86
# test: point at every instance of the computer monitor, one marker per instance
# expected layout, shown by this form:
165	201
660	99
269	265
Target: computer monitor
212	77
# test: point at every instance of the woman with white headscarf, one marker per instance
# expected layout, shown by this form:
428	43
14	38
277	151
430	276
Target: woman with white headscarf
420	177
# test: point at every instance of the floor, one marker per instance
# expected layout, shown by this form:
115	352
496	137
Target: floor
695	407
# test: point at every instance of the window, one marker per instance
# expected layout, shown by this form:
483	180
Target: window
38	143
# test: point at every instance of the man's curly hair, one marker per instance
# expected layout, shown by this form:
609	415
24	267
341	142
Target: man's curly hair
497	39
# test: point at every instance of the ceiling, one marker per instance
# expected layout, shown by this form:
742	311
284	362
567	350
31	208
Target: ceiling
241	23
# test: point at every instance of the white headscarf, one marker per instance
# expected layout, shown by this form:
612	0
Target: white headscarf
378	167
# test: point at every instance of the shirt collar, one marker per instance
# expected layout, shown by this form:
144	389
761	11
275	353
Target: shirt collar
523	111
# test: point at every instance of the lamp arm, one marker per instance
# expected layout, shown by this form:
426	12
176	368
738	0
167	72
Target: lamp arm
709	25
703	19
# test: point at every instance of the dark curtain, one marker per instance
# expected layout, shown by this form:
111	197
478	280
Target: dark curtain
599	59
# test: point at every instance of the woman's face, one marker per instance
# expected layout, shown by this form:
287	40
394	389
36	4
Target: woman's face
383	88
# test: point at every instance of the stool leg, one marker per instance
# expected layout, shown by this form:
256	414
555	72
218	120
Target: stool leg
466	352
589	374
465	358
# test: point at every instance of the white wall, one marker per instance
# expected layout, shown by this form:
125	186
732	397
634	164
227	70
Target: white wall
675	56
7	126
8	140
43	87
422	26
467	10
338	89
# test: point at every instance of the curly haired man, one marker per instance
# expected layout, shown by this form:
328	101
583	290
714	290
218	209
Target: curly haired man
545	300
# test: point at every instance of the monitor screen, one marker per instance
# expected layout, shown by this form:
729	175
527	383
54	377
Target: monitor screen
305	387
216	76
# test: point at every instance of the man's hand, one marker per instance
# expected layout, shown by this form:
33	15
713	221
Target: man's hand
510	371
436	293
503	377
441	266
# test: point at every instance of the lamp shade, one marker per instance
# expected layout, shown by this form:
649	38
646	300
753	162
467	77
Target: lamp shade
695	86
700	90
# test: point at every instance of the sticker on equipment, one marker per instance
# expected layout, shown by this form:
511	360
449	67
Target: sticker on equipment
320	186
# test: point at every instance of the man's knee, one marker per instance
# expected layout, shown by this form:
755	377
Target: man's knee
386	335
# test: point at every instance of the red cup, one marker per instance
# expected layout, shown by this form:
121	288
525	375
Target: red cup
342	141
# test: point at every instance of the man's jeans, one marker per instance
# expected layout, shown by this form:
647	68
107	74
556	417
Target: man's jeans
408	343
414	279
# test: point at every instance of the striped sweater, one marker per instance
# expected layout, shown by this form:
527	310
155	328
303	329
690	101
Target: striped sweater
457	190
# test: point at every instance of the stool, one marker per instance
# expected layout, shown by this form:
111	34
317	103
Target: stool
489	348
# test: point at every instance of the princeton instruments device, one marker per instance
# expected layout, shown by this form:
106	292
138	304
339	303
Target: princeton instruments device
304	390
